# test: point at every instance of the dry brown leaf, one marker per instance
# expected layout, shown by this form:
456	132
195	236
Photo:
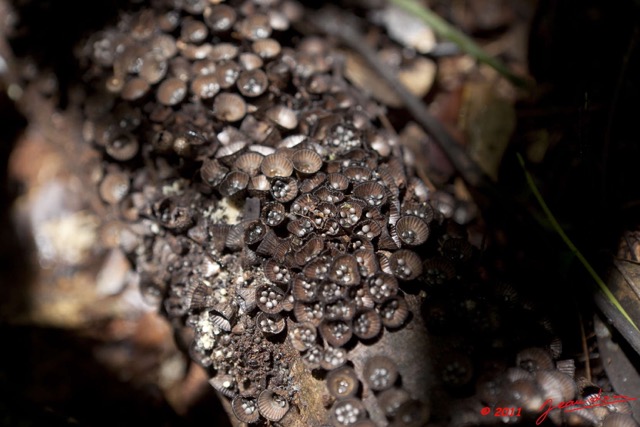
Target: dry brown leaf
488	121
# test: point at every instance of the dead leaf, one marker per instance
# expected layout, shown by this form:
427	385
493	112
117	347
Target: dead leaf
488	121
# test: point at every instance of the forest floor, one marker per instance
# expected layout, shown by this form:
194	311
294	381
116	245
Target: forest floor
84	348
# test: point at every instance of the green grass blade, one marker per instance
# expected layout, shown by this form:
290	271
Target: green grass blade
446	31
556	226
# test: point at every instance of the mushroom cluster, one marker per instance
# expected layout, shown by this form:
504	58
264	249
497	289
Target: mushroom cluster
270	208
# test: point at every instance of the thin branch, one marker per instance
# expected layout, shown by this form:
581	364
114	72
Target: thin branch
585	348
